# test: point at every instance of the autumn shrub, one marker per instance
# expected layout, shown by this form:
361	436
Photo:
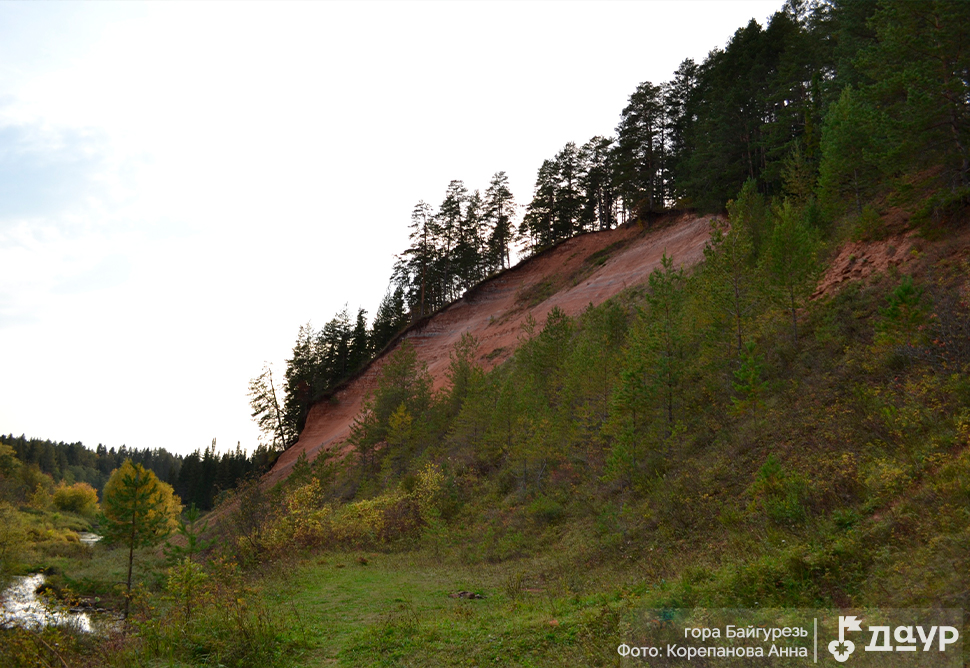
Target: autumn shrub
12	535
80	498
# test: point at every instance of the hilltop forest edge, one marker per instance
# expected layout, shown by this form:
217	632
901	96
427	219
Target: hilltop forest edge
721	403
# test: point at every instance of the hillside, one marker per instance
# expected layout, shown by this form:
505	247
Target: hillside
645	433
584	270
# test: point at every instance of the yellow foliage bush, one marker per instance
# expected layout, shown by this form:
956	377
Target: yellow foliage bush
426	491
392	516
886	478
13	534
80	498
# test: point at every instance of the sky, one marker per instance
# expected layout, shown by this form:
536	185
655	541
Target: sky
183	185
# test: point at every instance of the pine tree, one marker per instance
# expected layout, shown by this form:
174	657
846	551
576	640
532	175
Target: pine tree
790	262
463	371
597	184
416	268
568	198
267	412
469	252
554	214
332	347
918	67
666	299
185	574
748	382
640	152
730	262
452	238
681	100
499	211
401	381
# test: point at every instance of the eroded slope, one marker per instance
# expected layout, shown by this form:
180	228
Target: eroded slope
588	269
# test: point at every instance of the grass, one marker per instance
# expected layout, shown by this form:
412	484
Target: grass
399	609
535	294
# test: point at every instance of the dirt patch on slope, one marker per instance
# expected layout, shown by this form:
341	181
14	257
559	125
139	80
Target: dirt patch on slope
859	260
587	269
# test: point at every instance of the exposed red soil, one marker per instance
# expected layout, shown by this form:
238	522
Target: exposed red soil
588	269
860	260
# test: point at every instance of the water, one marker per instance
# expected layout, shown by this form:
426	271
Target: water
21	607
88	538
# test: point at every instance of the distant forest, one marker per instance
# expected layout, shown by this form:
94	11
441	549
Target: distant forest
197	478
828	105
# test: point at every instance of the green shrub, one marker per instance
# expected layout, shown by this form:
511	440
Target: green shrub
780	494
868	226
546	510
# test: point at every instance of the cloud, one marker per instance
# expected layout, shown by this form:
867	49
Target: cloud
110	272
45	173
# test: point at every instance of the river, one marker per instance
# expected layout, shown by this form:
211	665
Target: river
22	607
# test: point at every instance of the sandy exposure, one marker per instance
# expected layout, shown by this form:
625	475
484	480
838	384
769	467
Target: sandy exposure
495	310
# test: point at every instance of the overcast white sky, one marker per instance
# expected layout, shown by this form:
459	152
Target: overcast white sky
182	185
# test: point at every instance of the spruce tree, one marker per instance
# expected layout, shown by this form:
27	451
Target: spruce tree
537	229
918	67
391	317
360	348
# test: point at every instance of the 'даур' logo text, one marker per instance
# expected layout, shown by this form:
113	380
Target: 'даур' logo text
907	638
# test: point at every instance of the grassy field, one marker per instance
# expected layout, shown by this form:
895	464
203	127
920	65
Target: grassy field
360	608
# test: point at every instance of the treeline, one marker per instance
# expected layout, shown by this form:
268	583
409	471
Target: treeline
466	240
815	126
462	243
197	478
830	105
829	99
321	360
205	475
75	462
